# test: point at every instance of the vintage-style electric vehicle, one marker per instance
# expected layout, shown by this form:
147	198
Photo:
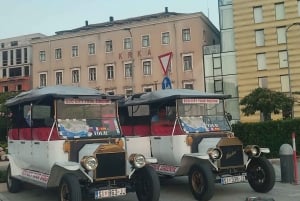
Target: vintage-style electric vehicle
194	139
69	137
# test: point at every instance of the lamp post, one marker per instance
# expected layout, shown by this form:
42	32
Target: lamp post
288	62
132	57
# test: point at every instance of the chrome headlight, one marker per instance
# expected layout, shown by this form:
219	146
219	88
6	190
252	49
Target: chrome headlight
214	153
252	150
89	163
137	160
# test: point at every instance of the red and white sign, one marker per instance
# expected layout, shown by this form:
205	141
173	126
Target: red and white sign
165	60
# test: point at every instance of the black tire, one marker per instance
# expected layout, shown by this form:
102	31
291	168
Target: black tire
69	188
261	174
147	184
202	182
13	185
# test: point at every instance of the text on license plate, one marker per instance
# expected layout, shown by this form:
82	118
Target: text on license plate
233	179
107	193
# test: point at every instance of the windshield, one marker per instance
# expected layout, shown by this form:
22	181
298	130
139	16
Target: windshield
87	118
202	115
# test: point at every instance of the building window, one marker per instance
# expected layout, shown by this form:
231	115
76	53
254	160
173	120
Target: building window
281	36
18	56
110	92
261	61
92	74
147	89
258	14
75	76
263	82
58	77
91	48
108	46
14	43
11	57
110	72
187	62
4	58
25	55
165	38
4	72
298	5
128	92
147	68
42	56
279	11
127	43
260	37
19	87
26	71
5	88
145	41
2	45
188	85
15	72
43	79
74	51
128	70
285	84
186	34
58	53
283	60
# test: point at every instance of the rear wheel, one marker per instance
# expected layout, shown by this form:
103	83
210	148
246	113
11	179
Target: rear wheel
201	182
147	184
13	185
69	188
261	174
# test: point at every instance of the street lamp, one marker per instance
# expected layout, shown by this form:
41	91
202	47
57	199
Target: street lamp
288	62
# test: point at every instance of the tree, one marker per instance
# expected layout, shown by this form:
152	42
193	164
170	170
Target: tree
267	102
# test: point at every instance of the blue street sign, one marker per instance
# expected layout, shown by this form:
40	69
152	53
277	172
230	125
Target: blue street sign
166	83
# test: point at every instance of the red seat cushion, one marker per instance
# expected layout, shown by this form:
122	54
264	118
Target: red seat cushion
127	130
141	130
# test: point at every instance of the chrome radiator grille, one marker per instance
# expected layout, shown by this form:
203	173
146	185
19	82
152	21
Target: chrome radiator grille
232	156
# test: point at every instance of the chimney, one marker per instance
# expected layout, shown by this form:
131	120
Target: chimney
86	23
111	18
166	10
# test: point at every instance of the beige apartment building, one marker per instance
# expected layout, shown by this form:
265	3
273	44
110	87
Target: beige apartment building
267	47
127	56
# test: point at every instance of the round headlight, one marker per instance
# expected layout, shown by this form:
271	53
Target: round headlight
137	160
253	150
214	153
89	162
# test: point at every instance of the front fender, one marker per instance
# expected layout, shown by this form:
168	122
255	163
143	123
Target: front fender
188	160
59	169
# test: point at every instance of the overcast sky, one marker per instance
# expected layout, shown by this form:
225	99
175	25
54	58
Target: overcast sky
22	17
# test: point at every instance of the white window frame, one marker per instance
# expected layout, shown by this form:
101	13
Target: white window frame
281	35
147	69
91	48
108	46
283	59
261	61
58	53
128	69
258	14
298	7
145	41
59	79
285	83
75	75
75	51
92	70
110	72
263	82
260	37
128	92
110	92
147	88
165	38
279	11
186	34
185	84
42	55
187	64
127	43
43	79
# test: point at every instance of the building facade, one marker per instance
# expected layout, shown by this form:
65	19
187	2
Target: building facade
16	63
127	56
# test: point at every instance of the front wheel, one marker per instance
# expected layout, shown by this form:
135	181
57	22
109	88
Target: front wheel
201	182
261	174
13	185
69	188
147	184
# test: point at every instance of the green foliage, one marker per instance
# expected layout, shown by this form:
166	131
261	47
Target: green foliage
267	102
3	175
270	134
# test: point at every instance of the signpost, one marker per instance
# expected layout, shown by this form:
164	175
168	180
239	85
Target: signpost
165	60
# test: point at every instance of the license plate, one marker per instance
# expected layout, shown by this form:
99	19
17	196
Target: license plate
107	193
233	179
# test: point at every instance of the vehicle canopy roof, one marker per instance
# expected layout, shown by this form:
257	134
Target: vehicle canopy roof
57	92
168	94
